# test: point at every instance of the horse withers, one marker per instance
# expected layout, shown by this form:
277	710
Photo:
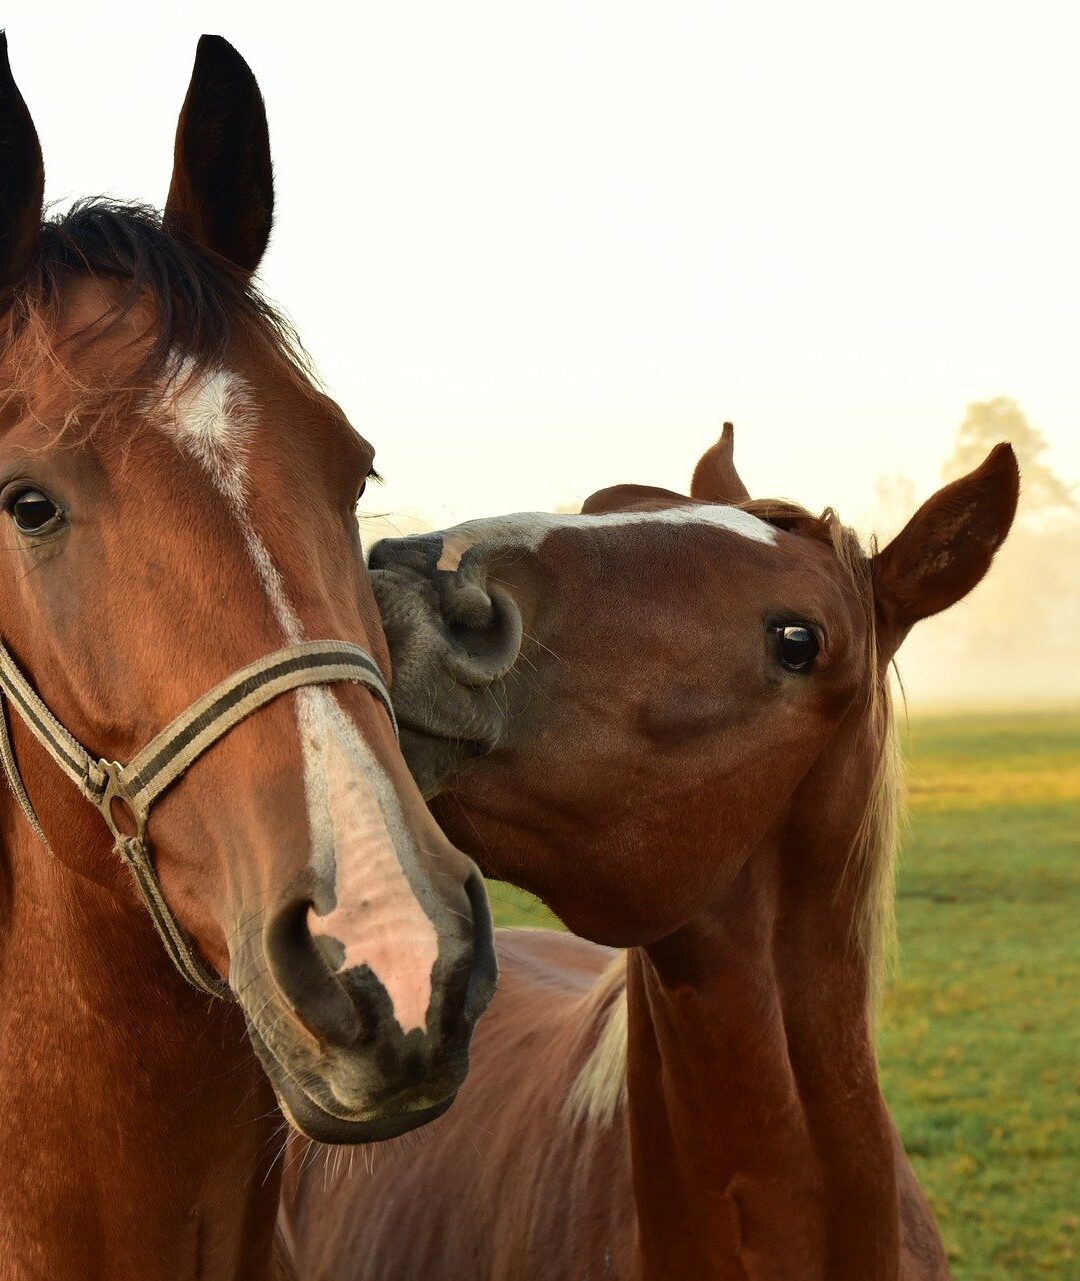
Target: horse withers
669	718
178	517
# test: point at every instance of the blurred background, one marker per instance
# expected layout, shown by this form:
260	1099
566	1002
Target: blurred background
539	249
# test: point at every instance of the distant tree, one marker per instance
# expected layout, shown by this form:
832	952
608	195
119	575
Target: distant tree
1027	608
990	421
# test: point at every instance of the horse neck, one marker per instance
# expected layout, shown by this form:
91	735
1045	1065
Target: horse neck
761	1144
138	1131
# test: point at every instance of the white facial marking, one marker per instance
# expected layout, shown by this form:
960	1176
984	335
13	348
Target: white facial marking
529	529
359	837
210	417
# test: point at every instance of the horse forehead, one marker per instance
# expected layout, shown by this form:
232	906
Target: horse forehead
209	407
223	412
89	301
528	530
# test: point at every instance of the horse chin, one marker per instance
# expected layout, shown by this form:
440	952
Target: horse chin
308	1116
433	758
311	1120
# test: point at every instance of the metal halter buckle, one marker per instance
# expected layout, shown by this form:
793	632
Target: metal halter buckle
115	791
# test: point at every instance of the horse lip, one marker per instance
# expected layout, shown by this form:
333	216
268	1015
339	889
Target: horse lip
470	740
316	1121
313	1120
433	757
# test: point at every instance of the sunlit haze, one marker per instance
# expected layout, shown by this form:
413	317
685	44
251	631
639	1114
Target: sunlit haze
538	249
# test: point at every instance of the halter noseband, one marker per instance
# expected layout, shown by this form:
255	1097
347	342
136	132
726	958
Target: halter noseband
161	762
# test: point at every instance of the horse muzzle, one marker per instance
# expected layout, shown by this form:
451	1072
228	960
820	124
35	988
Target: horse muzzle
346	1065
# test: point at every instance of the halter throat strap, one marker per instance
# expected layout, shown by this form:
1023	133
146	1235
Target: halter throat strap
135	786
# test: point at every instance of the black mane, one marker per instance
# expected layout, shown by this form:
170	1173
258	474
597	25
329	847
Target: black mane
200	300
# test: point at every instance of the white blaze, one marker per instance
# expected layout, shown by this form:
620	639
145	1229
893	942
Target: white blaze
529	529
358	834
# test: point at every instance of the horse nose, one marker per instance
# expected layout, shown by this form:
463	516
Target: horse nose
350	1008
480	626
418	551
305	979
484	974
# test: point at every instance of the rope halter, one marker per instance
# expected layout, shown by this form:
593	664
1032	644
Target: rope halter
138	784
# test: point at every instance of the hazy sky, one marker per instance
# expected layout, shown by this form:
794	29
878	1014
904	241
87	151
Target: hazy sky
536	249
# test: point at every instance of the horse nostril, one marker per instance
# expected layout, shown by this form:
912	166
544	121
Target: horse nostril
485	967
466	604
303	975
484	630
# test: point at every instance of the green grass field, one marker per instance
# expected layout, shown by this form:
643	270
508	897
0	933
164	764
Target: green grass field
980	1036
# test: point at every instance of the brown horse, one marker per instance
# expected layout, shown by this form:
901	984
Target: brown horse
178	505
668	718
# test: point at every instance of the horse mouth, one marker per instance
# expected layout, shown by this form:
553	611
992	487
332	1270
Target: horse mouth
432	756
313	1118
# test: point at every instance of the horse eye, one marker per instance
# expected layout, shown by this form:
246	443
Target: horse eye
33	512
372	475
798	647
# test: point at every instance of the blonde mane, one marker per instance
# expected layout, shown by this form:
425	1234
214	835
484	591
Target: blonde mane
599	1090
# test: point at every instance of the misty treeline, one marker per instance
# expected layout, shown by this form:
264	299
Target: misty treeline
1014	639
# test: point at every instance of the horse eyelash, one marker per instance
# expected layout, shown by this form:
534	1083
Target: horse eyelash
371	475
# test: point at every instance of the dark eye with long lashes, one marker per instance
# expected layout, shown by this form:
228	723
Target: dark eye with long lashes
372	475
797	647
33	512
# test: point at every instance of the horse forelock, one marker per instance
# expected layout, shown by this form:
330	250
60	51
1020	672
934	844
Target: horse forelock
175	310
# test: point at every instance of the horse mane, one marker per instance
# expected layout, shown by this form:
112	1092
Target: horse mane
874	850
599	1089
198	303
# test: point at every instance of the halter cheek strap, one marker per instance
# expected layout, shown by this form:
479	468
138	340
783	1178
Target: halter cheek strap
139	783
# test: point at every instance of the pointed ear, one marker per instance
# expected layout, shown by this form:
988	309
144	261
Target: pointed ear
946	547
715	478
22	179
222	190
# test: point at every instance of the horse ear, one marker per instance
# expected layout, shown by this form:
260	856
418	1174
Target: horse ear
946	547
715	478
222	189
22	179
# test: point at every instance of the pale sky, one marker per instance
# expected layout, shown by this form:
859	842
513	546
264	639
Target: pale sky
537	249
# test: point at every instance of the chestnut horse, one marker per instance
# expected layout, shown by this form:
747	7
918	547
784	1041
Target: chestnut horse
669	718
178	511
